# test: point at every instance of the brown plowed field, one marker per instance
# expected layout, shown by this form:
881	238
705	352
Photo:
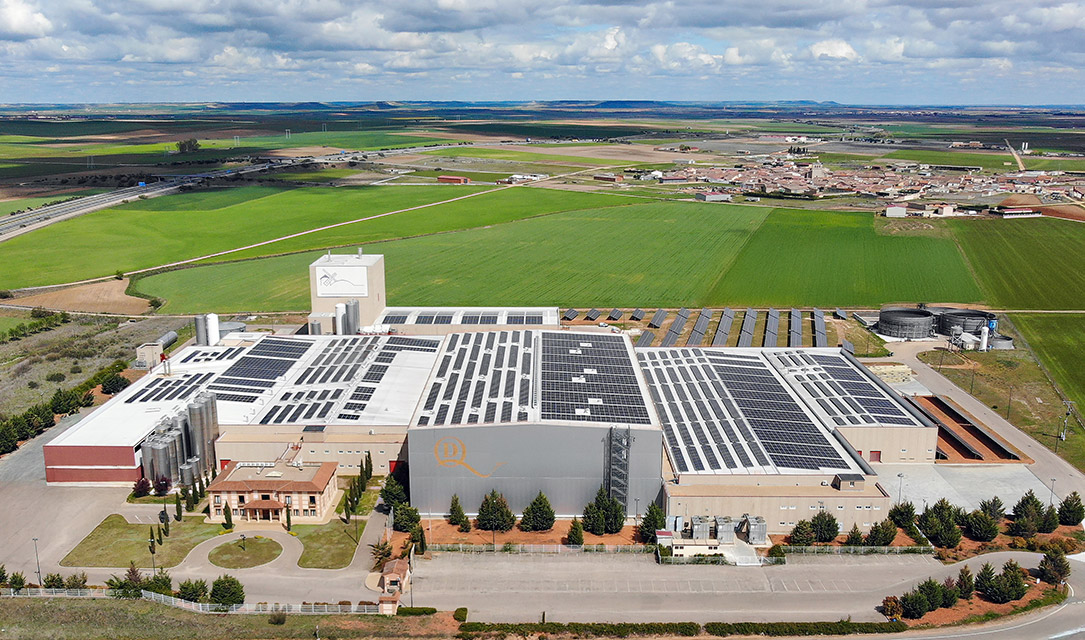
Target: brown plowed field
97	297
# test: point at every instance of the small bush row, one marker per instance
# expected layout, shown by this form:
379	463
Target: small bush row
586	629
838	628
416	611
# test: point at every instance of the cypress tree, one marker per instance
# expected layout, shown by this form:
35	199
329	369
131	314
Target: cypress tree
855	537
177	505
575	537
653	520
456	516
494	513
227	513
539	515
966	584
1071	511
288	523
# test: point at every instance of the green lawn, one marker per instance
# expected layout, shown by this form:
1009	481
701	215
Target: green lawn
830	258
526	156
115	543
152	232
666	254
1059	342
253	553
1033	263
328	546
500	205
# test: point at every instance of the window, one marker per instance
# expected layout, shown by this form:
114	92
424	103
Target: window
382	451
783	507
218	500
791	507
265	496
312	501
240	499
326	451
218	512
312	451
877	507
839	506
858	506
295	512
340	452
813	506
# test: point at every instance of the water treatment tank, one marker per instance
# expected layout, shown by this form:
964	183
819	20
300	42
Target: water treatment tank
905	323
1000	343
226	328
970	320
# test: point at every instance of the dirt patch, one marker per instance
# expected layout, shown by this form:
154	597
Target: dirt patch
1020	200
107	296
441	532
131	374
1065	211
901	540
977	606
970	548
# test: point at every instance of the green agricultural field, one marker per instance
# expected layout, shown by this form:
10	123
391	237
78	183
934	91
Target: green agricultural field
1059	341
652	254
989	161
527	156
157	231
829	258
475	176
1032	263
493	207
317	175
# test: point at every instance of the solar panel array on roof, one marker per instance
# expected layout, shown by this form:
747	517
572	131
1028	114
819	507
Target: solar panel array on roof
772	328
745	337
615	314
657	319
394	318
645	339
820	340
173	388
590	378
281	348
528	318
198	356
722	411
723	329
592	315
478	318
339	361
637	315
570	314
794	334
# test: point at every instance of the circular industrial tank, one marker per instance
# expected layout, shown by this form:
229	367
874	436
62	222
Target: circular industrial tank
905	323
1000	343
226	328
970	320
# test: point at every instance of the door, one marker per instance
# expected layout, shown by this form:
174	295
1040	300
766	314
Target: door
875	456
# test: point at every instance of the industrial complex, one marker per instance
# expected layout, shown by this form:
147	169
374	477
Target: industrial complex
471	400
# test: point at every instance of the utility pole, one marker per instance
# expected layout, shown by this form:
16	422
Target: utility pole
1009	404
900	488
1051	500
37	561
972	385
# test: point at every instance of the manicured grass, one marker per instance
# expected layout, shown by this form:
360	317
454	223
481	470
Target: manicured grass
328	546
829	258
1059	342
1033	263
71	619
255	552
495	207
115	543
149	233
665	254
526	156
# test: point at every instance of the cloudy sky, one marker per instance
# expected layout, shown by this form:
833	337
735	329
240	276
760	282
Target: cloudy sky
853	51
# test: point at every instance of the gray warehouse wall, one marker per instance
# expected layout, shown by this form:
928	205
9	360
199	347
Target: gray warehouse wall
564	462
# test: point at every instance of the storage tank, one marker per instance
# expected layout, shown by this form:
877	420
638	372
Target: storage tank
985	335
148	458
167	338
201	330
226	328
314	327
161	452
213	335
905	323
186	474
970	320
195	426
180	426
1001	343
354	316
340	319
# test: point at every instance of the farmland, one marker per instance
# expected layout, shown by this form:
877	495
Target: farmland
148	233
316	175
836	258
989	161
1026	264
1059	341
666	254
526	156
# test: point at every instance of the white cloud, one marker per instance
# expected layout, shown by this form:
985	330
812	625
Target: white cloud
19	19
834	49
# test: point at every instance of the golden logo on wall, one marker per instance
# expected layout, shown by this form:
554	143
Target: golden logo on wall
450	452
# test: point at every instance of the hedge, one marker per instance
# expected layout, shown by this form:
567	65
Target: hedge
838	628
416	611
460	615
587	629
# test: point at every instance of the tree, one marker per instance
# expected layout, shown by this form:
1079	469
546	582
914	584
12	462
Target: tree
538	516
494	513
17	581
227	590
289	524
654	520
802	535
1008	585
393	493
192	590
594	520
227	513
1049	521
52	581
604	515
993	508
405	518
981	526
1071	510
932	591
421	545
966	584
160	534
575	537
190	145
1024	527
855	537
160	582
115	383
190	499
129	586
162	486
985	577
381	553
3	575
914	605
950	593
456	516
368	468
166	528
903	514
882	534
141	488
76	581
1029	506
9	440
891	608
177	506
1054	568
825	526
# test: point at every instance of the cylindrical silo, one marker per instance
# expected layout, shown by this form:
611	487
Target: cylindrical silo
161	452
905	323
314	327
985	335
201	330
180	426
195	429
148	458
970	320
212	329
1001	343
167	338
175	454
340	319
186	474
354	316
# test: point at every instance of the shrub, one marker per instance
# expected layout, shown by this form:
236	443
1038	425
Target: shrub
1054	568
393	493
114	383
654	520
56	376
192	590
932	591
227	590
1071	510
539	515
277	617
416	611
589	629
882	534
604	515
914	605
1024	527
141	488
52	581
76	581
891	608
460	614
950	593
494	513
456	516
575	537
3	575
162	486
825	526
405	517
802	535
840	627
17	582
160	582
776	551
981	526
903	514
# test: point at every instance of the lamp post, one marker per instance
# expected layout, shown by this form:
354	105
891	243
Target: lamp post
972	384
900	488
37	561
242	542
1051	499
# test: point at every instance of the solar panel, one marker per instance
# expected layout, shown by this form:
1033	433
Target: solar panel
657	319
772	327
592	315
645	339
394	318
723	329
570	314
258	368
637	315
615	314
